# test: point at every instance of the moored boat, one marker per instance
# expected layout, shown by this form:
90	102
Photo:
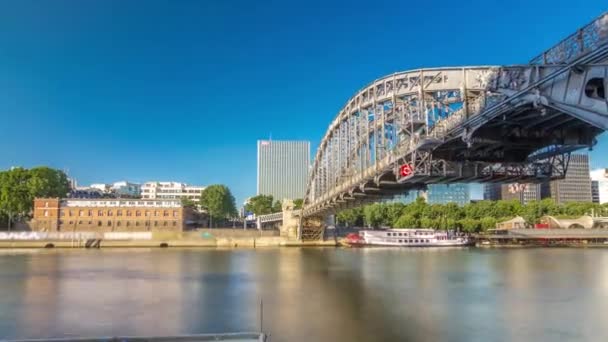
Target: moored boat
407	238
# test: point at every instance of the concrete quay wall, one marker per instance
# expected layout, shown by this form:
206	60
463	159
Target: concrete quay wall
203	238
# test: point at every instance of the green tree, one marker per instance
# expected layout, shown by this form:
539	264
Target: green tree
298	203
470	224
392	213
260	204
46	182
350	217
487	223
218	201
16	198
277	207
374	214
406	221
188	203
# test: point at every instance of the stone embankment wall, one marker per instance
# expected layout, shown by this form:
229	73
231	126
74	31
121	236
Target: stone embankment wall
198	238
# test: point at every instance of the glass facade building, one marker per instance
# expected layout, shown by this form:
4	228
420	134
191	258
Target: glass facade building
283	168
438	194
448	193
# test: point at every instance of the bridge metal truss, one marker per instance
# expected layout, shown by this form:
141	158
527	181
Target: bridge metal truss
465	124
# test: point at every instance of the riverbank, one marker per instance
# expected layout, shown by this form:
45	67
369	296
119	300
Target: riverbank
210	238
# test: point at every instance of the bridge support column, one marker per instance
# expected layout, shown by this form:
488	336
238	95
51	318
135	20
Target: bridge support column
289	227
313	228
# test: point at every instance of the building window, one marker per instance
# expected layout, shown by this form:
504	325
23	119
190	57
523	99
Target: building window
165	223
109	223
70	213
155	223
128	212
90	212
80	213
79	222
46	213
136	223
117	223
165	213
147	213
174	213
146	223
62	213
110	213
71	222
46	204
118	212
155	213
100	213
174	223
127	223
98	223
137	213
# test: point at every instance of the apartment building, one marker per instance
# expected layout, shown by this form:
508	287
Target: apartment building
171	190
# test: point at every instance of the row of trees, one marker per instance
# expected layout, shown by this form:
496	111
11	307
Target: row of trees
475	216
19	187
265	204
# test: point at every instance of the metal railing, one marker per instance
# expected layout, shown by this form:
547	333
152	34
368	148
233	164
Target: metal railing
586	39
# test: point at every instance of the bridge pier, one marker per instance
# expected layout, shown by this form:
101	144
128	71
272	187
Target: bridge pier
312	228
289	227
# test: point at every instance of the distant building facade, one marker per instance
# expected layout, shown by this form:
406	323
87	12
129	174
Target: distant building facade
171	190
108	215
85	192
121	189
575	187
448	193
524	192
595	191
282	169
126	189
437	194
599	184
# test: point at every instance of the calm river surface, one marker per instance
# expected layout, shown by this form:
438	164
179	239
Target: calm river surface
309	294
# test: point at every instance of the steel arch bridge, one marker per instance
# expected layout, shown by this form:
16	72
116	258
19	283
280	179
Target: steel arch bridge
462	124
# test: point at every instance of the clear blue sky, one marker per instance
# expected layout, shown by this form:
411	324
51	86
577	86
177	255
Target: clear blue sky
181	90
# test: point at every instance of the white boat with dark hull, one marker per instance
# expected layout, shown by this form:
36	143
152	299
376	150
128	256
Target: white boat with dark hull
408	238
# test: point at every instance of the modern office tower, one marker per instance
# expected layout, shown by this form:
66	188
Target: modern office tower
283	168
575	187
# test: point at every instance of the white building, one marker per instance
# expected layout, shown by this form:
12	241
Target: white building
601	176
171	190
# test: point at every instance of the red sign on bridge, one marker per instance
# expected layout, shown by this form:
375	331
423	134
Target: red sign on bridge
406	170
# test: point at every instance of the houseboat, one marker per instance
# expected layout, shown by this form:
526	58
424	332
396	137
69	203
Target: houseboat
407	238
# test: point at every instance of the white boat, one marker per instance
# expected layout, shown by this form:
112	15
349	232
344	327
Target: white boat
407	238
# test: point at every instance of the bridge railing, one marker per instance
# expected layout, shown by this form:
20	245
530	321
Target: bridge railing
586	39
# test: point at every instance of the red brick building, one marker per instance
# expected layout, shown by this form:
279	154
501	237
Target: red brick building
109	215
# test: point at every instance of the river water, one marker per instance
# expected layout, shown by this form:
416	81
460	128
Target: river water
309	294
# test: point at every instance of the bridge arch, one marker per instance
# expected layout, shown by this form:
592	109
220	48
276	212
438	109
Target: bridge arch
463	124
